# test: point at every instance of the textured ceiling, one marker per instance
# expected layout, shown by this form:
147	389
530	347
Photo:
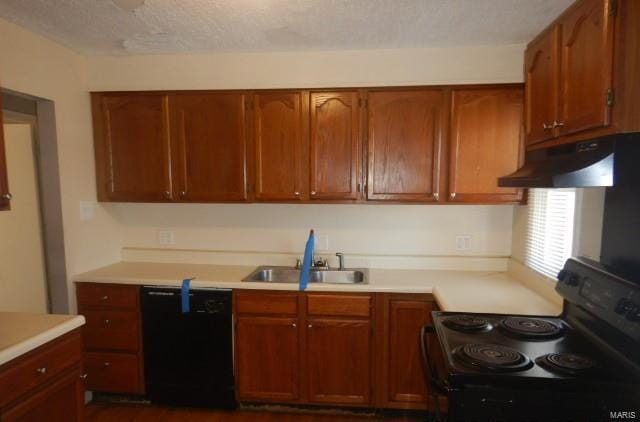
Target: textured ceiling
183	26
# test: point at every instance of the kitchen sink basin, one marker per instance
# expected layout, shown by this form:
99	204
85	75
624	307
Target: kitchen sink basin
270	274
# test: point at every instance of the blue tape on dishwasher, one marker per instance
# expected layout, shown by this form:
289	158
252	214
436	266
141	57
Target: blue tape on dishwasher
186	302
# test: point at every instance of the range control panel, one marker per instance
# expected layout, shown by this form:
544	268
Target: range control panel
588	284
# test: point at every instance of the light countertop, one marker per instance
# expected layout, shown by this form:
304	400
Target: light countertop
22	332
459	291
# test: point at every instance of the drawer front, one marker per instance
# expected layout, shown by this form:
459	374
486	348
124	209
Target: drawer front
39	367
113	372
107	295
266	303
339	305
112	330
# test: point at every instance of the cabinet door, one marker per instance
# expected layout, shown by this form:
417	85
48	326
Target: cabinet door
335	145
278	142
5	196
133	153
267	358
486	139
587	66
405	131
211	145
401	378
339	361
541	65
62	401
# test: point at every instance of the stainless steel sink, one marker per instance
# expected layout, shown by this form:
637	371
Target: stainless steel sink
270	274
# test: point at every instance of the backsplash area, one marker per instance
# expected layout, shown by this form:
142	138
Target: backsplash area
392	236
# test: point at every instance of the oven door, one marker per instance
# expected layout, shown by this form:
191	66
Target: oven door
435	374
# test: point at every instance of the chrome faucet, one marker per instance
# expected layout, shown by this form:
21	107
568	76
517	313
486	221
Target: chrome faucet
340	256
316	263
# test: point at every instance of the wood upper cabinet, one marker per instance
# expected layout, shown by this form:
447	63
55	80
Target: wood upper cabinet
587	66
278	141
5	195
404	144
401	375
541	63
339	361
485	143
209	130
133	152
334	145
267	358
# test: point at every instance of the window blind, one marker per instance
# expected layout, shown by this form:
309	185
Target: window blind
550	229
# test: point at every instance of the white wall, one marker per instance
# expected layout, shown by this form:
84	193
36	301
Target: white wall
22	274
34	65
37	66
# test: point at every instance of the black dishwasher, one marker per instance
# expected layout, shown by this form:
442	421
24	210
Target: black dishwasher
188	357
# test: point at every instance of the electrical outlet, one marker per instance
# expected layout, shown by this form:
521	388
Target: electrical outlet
463	242
87	210
166	237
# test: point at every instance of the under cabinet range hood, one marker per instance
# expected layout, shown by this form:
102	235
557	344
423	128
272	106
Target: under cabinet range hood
599	162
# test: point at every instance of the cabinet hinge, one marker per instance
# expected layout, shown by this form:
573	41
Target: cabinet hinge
613	7
610	97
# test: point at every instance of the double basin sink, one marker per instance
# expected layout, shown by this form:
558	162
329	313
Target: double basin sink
271	274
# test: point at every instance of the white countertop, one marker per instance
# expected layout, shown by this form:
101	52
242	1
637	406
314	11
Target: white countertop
22	332
460	291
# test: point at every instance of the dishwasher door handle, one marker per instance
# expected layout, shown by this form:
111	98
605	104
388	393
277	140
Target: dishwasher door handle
161	294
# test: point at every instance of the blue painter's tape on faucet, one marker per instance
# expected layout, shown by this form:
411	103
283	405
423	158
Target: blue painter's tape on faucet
186	302
306	262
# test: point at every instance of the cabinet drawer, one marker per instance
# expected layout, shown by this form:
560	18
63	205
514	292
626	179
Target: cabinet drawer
339	305
113	372
108	295
39	367
266	303
113	330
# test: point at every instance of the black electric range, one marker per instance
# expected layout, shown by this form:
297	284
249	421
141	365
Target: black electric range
583	365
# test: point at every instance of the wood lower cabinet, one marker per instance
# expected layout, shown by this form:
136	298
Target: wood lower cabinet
400	376
485	143
209	135
339	361
278	127
267	358
113	356
133	151
5	195
335	151
404	146
45	384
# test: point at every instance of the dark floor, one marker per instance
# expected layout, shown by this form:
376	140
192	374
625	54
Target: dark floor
99	412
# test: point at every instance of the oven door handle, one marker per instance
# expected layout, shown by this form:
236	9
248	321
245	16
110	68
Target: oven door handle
432	373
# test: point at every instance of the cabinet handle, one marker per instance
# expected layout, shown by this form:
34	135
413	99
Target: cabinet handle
296	193
558	124
107	322
105	297
453	195
183	194
309	326
84	376
547	127
106	364
167	194
436	196
313	193
42	370
7	197
294	325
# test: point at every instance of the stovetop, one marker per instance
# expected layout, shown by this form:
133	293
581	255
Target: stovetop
536	350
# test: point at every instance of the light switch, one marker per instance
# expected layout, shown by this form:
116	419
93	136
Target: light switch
87	210
463	242
166	237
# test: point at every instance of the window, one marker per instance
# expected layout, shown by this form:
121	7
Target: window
550	229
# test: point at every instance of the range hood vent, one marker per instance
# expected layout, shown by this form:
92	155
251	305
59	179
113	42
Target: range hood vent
586	164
